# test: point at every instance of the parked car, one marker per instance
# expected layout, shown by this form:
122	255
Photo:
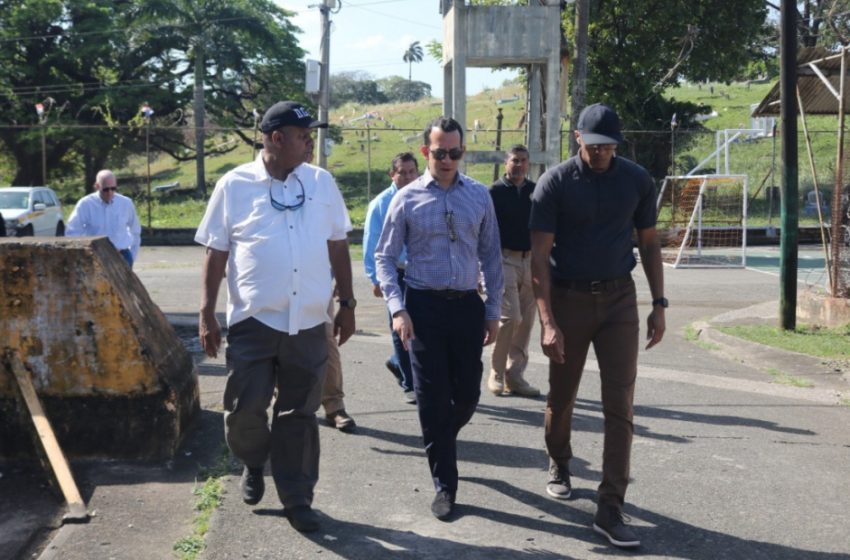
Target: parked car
31	211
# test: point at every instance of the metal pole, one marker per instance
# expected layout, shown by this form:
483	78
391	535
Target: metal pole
43	153
254	143
789	214
148	158
368	162
499	118
324	86
839	183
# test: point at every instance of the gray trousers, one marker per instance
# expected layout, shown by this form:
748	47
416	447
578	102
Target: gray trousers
258	358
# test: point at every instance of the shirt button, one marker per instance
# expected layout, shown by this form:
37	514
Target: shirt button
295	270
294	293
290	227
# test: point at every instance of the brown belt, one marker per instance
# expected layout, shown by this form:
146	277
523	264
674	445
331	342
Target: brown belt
594	286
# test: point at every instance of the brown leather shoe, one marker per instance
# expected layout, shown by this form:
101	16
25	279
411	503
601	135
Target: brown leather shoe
341	421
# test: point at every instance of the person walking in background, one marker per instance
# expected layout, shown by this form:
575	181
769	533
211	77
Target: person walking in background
403	170
333	397
276	228
583	216
446	222
512	201
105	212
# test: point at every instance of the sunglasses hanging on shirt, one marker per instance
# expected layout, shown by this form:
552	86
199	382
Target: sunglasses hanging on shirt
277	205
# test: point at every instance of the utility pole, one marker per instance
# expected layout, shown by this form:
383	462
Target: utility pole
579	69
790	206
324	92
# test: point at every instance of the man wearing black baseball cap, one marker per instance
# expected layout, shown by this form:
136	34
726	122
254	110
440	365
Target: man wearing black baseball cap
583	215
274	227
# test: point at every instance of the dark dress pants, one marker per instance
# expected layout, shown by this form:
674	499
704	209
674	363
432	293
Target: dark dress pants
258	358
446	360
609	321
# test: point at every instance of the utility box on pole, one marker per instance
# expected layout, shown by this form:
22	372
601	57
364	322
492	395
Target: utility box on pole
313	76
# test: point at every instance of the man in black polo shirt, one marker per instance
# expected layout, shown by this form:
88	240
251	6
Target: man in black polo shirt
583	215
512	200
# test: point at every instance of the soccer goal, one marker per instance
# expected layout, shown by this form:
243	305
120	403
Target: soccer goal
702	220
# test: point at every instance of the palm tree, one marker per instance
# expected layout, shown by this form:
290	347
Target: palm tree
411	55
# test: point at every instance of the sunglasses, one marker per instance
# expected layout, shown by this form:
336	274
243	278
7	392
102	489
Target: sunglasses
440	154
109	189
281	207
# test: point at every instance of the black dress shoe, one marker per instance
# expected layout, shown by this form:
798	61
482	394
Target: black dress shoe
252	485
302	518
443	505
341	421
394	369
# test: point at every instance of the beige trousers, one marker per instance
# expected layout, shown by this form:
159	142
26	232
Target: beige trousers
510	353
332	394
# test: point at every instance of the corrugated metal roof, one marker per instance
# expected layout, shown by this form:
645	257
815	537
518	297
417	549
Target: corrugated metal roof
817	97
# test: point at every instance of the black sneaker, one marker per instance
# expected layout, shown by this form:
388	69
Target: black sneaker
252	485
610	522
443	505
559	481
302	518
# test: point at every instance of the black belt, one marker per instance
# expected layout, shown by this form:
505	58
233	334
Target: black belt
449	294
594	286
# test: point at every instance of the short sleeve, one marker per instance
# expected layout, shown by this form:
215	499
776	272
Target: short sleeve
545	203
646	211
213	232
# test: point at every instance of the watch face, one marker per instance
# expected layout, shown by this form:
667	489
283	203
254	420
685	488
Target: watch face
350	303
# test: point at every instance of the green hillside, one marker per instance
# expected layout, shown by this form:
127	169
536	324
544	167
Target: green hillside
360	161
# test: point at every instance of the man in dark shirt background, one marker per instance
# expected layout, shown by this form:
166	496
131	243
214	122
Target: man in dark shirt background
512	200
583	215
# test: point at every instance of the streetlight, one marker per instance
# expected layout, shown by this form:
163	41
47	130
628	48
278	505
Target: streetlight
42	109
147	113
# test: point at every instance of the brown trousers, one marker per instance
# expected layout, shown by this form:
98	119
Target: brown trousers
609	321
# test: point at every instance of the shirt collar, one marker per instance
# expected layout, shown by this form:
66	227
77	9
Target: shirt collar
428	180
258	168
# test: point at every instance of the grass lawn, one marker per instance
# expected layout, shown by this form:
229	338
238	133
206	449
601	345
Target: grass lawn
811	340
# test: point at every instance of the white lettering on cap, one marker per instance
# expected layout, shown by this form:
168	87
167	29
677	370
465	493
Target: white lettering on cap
302	112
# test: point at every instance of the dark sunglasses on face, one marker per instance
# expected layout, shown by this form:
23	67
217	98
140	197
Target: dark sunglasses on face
440	154
109	189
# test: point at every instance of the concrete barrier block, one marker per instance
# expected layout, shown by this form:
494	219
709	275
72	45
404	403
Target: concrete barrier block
113	376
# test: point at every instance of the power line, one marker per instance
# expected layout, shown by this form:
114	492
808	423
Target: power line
125	29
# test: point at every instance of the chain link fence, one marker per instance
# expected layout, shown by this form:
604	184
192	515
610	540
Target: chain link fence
360	156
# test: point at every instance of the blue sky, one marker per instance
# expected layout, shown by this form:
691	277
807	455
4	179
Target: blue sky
372	35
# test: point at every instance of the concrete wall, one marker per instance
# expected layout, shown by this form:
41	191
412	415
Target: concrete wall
114	377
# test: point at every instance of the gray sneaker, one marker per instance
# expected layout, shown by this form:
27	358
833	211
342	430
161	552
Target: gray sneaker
610	522
559	481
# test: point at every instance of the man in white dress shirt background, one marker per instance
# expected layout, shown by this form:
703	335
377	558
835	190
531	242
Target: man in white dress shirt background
105	212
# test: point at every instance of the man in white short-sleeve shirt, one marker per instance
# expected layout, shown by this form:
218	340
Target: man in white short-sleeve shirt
105	212
279	230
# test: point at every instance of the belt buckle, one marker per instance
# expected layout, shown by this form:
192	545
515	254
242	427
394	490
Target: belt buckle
596	287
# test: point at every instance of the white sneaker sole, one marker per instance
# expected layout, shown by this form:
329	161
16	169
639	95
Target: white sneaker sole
558	496
623	544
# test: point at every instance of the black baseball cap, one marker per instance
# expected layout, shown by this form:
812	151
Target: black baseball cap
288	113
599	124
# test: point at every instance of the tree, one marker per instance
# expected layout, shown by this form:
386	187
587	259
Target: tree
639	49
228	47
412	54
79	59
397	88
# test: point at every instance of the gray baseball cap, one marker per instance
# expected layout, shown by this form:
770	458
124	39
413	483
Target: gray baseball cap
599	124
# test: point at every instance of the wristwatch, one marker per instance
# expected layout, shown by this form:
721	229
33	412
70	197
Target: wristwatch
662	301
350	303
